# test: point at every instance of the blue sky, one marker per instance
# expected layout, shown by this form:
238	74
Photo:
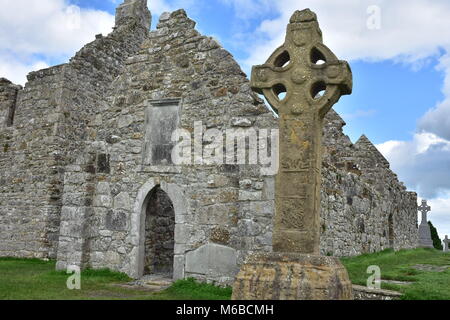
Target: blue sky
399	54
388	99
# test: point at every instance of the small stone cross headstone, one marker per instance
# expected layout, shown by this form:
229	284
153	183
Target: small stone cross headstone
424	229
446	241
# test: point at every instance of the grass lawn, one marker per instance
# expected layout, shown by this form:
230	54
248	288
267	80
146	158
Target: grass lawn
33	279
398	266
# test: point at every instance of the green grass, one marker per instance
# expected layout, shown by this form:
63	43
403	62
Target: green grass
191	290
33	279
397	266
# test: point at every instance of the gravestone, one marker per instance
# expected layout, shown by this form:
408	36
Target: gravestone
424	228
300	69
446	241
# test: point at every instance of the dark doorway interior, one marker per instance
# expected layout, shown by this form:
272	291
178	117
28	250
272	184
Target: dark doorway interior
159	233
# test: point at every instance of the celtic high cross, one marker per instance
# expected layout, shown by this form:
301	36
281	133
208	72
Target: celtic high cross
424	208
301	68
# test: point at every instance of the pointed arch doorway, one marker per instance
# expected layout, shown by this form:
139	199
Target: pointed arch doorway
137	236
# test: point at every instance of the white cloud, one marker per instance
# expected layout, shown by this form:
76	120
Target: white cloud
50	29
437	120
409	32
16	70
423	163
49	26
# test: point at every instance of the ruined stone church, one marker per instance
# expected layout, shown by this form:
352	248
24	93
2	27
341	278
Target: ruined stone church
86	175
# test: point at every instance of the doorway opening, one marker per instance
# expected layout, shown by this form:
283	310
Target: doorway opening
159	234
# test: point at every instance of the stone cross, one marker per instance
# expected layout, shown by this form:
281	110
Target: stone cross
301	68
424	208
446	241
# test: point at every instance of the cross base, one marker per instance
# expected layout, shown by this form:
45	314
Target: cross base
292	276
425	236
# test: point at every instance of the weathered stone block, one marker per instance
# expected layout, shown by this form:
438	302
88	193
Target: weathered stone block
290	276
245	184
212	260
103	188
241	122
116	220
269	188
102	201
122	201
178	267
181	233
249	195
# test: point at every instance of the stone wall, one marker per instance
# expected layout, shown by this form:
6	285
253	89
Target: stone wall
51	117
8	102
364	206
91	143
176	66
29	169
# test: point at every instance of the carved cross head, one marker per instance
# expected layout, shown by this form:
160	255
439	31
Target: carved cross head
297	72
424	207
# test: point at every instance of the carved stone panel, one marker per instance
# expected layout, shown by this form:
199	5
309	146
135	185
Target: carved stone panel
161	120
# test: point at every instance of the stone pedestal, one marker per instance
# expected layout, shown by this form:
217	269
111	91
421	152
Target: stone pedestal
425	236
292	276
